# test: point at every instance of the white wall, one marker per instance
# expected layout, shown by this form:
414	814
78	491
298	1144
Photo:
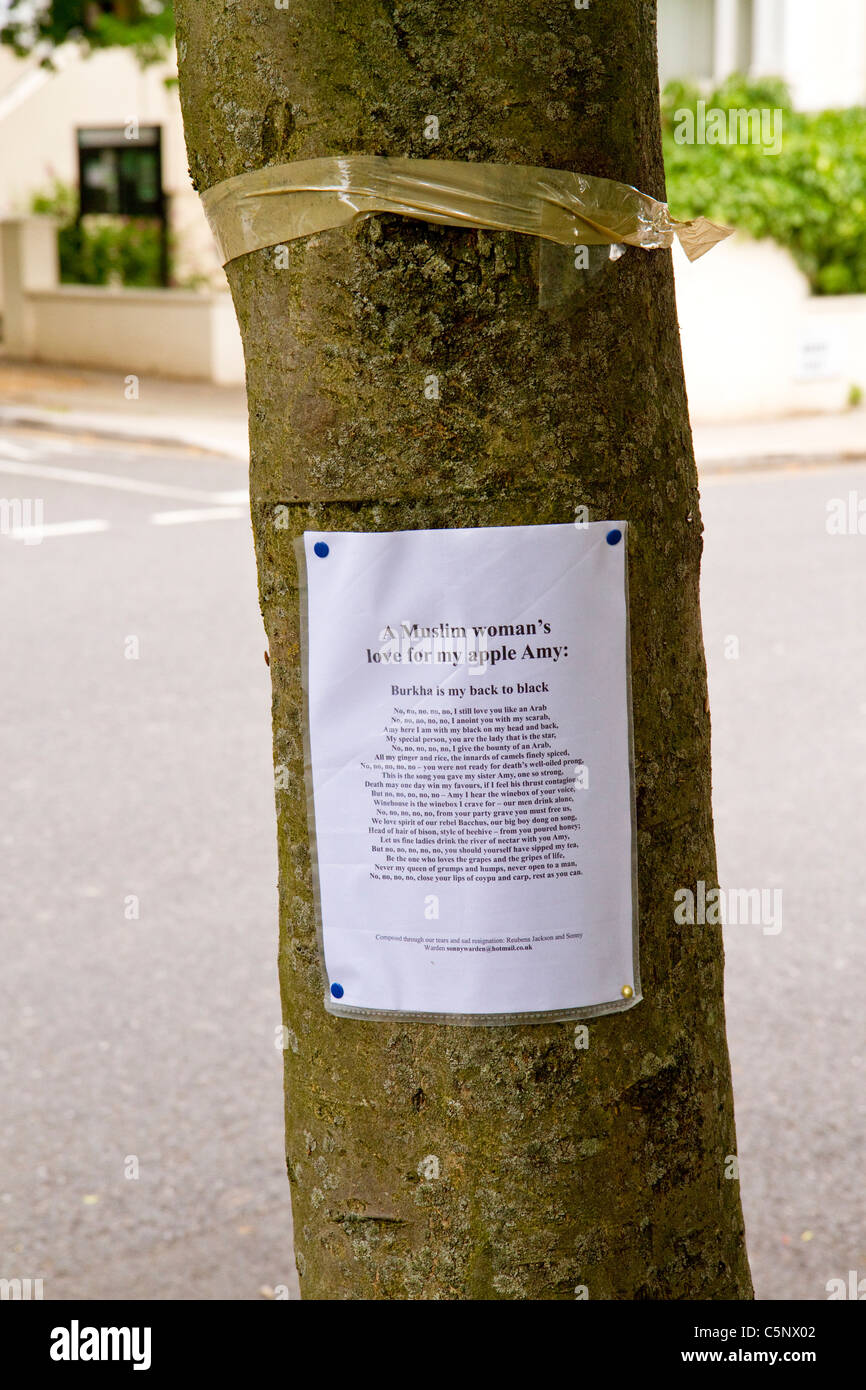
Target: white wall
819	49
756	343
824	53
172	333
685	39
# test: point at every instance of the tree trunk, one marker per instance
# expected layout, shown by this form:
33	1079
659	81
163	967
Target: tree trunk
603	1168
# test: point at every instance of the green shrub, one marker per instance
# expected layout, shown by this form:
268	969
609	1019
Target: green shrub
101	250
810	198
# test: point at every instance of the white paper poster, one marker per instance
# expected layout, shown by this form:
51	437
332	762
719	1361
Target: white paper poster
470	771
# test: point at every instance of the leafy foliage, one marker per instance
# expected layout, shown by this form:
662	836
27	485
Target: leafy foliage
810	198
101	250
147	26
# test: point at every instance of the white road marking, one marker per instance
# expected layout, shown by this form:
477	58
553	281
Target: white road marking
199	514
112	480
51	445
32	535
15	449
239	498
45	446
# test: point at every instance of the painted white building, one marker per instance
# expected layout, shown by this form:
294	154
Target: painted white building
40	112
818	48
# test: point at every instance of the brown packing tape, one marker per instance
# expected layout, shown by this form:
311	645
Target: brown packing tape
285	201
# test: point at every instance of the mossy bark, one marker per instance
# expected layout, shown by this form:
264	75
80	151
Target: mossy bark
557	1167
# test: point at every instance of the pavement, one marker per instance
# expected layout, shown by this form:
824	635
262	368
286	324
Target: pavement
141	1146
774	443
214	418
185	414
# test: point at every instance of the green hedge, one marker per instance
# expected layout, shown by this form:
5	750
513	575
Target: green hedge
102	250
810	198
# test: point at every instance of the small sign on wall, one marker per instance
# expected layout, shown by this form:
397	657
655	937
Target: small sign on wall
469	771
822	351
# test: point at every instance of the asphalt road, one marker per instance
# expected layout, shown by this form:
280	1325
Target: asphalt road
789	757
148	1037
151	1037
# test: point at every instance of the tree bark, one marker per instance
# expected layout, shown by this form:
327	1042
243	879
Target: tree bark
557	1168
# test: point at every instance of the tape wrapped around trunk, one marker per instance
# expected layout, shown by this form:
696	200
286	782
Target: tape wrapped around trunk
283	202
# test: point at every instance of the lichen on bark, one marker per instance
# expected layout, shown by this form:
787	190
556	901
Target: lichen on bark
554	1166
